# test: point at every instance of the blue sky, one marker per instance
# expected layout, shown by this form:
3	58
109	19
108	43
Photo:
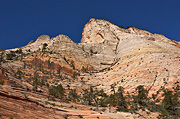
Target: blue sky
24	20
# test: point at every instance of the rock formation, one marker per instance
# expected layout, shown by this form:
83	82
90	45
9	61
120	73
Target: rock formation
107	54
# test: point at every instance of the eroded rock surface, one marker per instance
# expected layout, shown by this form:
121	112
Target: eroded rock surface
107	54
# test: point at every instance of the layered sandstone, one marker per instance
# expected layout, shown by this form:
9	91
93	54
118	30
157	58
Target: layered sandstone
138	56
107	54
131	54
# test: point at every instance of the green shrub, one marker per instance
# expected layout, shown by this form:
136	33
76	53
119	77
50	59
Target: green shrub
1	82
10	55
57	91
19	51
1	114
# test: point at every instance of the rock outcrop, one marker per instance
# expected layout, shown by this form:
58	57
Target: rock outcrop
136	55
107	54
131	54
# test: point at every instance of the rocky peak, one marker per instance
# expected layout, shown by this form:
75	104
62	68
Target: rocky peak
43	38
62	38
100	30
97	31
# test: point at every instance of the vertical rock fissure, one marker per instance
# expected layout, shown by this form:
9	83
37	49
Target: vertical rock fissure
117	46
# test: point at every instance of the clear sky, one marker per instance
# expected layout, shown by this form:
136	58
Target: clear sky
24	20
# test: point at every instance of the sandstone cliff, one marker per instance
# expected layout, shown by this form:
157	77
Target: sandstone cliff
107	54
135	56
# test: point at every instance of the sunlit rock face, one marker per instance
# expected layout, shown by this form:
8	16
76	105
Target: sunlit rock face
132	54
136	55
107	54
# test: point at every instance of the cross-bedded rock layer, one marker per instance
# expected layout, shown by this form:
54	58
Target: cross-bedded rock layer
107	54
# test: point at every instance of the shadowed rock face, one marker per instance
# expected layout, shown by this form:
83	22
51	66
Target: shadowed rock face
107	54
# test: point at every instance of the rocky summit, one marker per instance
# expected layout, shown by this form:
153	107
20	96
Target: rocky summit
57	78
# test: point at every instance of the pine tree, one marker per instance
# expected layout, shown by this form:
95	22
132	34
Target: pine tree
171	103
121	102
57	91
142	95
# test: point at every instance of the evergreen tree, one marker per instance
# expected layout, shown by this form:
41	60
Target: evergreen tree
121	99
95	97
171	104
142	95
57	91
